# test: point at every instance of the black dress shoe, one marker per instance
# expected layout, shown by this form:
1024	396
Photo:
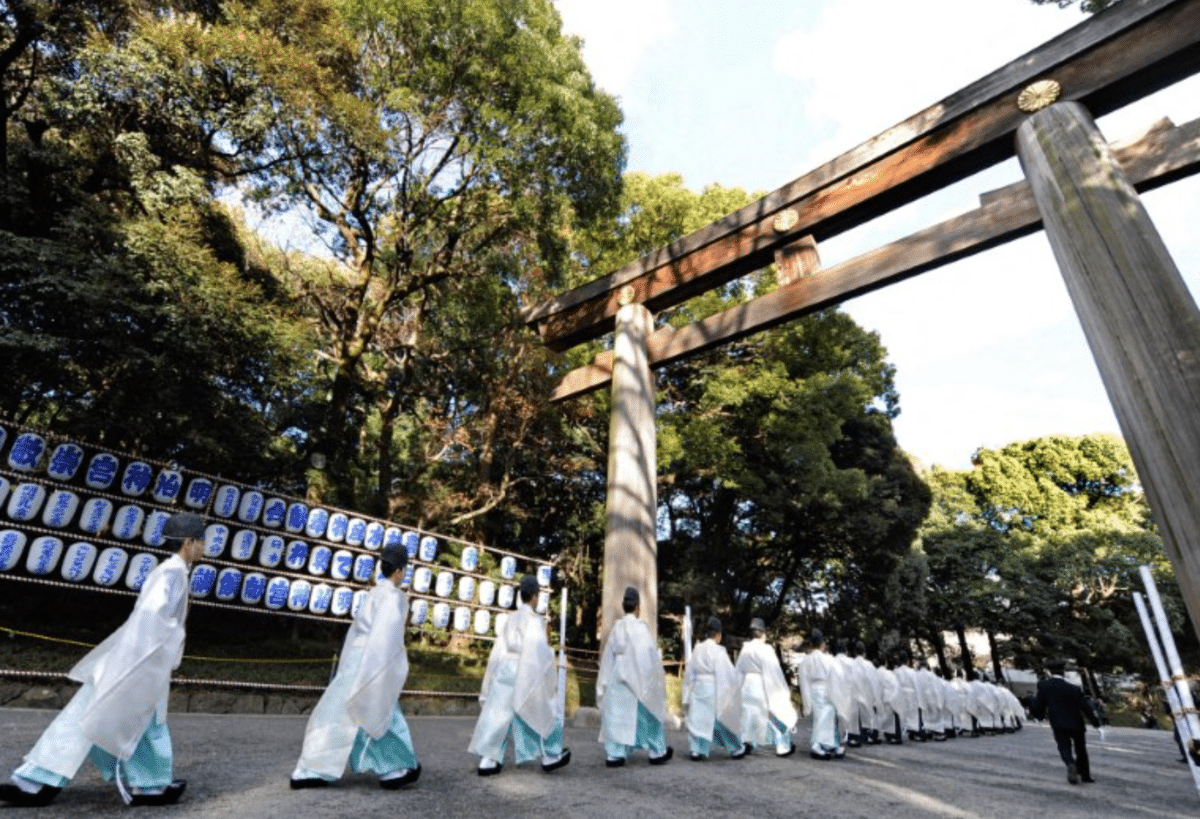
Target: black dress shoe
614	763
664	759
1086	779
697	757
820	755
307	782
168	797
788	752
563	759
400	781
490	771
15	796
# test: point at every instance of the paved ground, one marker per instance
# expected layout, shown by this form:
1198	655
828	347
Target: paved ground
239	765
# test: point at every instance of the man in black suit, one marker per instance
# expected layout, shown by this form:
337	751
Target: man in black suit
1063	704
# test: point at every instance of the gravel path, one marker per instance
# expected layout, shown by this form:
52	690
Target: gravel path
239	765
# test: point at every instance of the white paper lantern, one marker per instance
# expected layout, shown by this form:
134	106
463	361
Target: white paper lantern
250	506
364	568
508	567
343	598
336	530
229	584
43	556
166	486
441	615
505	596
297	516
274	513
271	551
12	546
299	595
470	558
152	529
216	536
487	592
342	565
102	470
254	586
198	493
64	462
318	561
321	599
374	535
419	612
60	508
445	584
462	618
466	589
483	621
204	577
428	548
78	561
136	479
241	545
95	515
277	593
356	532
297	555
140	566
318	520
127	522
226	502
26	453
25	501
110	565
422	578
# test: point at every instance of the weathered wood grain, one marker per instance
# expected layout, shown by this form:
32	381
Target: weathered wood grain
1162	154
1137	314
1127	52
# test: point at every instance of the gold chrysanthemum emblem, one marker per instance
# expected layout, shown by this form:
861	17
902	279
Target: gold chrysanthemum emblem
785	220
1037	96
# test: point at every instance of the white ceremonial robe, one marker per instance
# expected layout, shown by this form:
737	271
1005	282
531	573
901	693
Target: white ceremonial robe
962	704
873	683
895	703
631	672
712	691
911	715
126	678
826	698
858	690
370	677
520	681
929	689
765	693
989	705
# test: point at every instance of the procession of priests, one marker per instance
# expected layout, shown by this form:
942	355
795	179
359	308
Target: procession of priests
118	717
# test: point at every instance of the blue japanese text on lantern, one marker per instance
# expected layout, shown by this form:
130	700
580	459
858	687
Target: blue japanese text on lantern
129	519
65	461
357	532
228	583
253	588
198	493
96	513
364	566
322	596
44	554
203	578
342	600
137	478
250	507
297	555
428	549
139	568
298	599
101	471
274	512
338	524
318	563
12	543
79	561
26	452
271	552
167	486
242	546
297	516
152	534
277	592
410	540
25	501
374	535
343	564
60	509
420	610
227	501
318	519
109	566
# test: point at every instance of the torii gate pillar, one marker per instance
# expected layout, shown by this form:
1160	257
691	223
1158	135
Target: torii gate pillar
630	531
1139	319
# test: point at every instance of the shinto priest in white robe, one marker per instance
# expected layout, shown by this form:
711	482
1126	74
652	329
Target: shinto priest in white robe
358	718
631	690
712	694
768	716
519	692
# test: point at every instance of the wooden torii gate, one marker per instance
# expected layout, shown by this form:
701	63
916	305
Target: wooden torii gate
1139	319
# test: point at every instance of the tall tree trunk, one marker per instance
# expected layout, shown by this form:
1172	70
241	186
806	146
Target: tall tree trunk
968	661
939	648
996	669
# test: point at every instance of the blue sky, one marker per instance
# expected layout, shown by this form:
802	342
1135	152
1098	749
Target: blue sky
753	94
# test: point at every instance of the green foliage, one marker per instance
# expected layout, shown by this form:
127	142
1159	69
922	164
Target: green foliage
1040	544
